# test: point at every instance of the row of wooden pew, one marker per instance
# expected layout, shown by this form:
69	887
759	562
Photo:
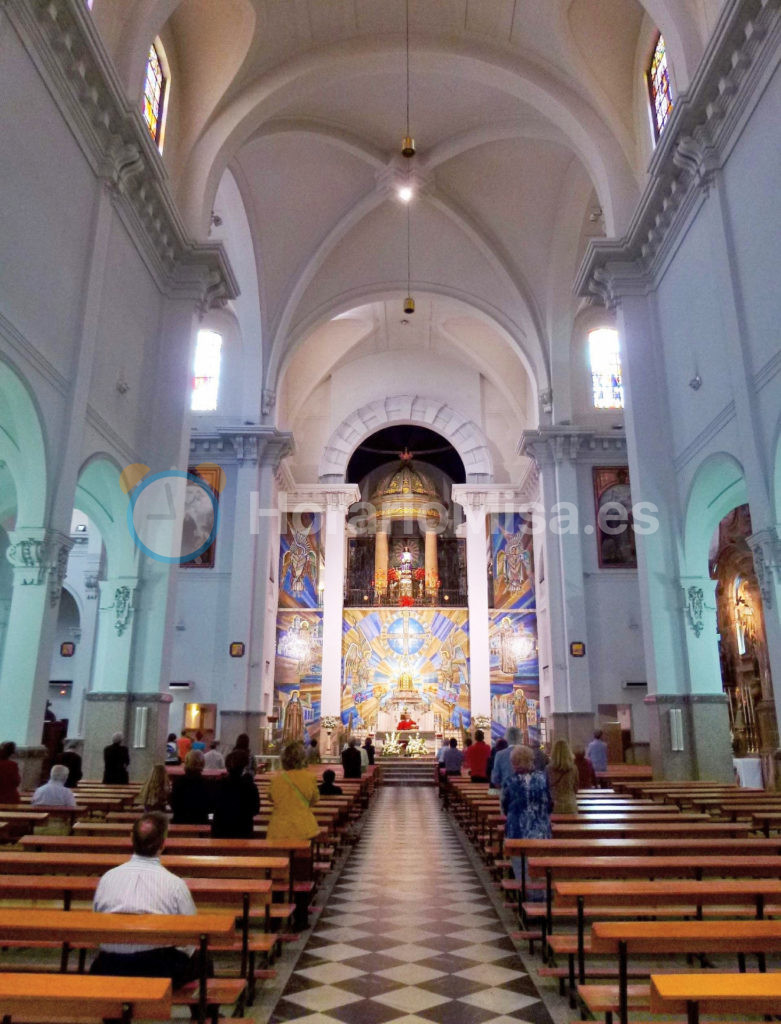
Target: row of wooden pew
261	889
643	870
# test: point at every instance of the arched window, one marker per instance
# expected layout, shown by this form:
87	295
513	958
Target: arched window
206	371
659	88
605	361
155	85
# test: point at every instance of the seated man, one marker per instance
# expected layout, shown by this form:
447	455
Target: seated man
143	886
54	793
327	787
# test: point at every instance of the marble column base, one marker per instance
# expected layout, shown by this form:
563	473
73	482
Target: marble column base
576	727
30	761
104	714
233	723
707	748
152	752
107	713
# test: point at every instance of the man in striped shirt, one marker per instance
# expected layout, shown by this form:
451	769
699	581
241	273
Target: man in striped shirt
143	886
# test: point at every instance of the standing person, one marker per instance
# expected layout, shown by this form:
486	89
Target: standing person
71	758
116	760
213	759
541	759
441	752
563	779
53	793
189	796
292	792
242	743
171	751
156	791
501	769
237	800
143	886
370	751
476	758
351	760
587	777
526	801
453	758
198	743
9	774
183	745
501	744
596	752
313	753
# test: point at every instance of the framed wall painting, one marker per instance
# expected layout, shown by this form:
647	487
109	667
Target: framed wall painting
199	516
615	530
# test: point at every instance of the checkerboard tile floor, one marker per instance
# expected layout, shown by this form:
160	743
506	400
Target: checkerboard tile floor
409	935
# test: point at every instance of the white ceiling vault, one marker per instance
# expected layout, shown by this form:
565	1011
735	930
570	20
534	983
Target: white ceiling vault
532	135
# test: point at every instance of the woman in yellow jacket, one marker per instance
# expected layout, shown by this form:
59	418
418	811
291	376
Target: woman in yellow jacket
292	792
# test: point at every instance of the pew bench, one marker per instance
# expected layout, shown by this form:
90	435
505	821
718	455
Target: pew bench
41	997
718	994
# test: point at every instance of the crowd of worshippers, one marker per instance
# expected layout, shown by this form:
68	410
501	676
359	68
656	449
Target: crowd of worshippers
531	785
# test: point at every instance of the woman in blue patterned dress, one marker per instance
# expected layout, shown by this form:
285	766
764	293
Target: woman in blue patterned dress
527	803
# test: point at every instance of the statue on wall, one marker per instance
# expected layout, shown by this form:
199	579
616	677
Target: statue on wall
293	726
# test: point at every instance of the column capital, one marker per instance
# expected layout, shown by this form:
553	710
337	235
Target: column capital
324	497
250	445
551	445
39	557
766	548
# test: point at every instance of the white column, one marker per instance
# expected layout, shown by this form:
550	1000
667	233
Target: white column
114	640
337	501
474	502
39	559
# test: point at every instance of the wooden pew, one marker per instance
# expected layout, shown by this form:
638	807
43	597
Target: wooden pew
664	938
718	994
46	996
92	929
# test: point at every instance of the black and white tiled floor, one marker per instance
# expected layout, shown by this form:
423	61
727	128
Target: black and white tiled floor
408	934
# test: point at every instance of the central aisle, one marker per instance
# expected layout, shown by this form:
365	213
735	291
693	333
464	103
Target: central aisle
409	933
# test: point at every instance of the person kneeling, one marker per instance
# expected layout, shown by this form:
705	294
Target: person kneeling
143	886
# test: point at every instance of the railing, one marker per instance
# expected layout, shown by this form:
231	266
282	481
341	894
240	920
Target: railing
371	598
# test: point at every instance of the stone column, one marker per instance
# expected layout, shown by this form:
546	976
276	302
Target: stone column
432	566
474	502
337	500
114	641
381	557
39	558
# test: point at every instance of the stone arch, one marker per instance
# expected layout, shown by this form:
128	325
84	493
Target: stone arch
465	435
22	447
776	483
718	486
99	495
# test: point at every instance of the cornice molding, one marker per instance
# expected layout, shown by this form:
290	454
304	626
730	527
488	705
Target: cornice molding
322	497
575	444
255	445
64	44
694	146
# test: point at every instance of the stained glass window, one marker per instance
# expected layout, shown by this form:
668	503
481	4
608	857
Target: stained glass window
606	385
659	87
154	94
206	372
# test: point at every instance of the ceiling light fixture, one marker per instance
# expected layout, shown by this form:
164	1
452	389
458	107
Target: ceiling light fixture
409	302
407	143
405	193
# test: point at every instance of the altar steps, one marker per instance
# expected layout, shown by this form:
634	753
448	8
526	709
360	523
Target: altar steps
408	771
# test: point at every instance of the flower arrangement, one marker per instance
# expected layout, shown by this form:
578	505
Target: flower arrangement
393	575
406	601
419	575
330	722
481	722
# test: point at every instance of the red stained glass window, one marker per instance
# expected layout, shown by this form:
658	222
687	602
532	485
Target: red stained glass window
154	94
659	88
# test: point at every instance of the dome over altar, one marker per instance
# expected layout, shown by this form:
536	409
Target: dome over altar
406	490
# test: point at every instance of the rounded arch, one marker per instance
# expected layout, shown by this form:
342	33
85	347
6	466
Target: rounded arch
583	127
22	447
718	486
465	435
532	356
100	496
777	478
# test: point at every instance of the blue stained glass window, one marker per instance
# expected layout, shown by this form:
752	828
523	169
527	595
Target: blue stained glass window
606	382
659	88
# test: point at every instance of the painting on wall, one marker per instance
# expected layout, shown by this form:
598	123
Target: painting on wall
511	557
615	526
405	667
515	673
199	516
298	673
300	561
